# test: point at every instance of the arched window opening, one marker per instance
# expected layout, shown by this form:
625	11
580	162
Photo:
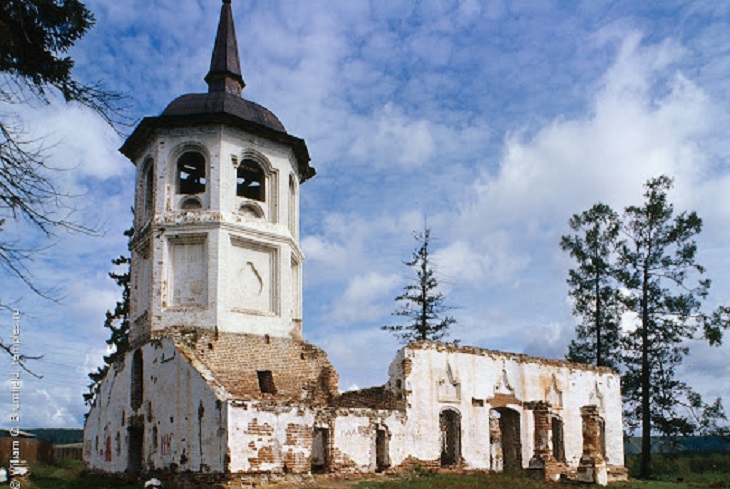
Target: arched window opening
292	206
250	181
149	187
191	204
450	422
602	435
191	173
251	211
137	387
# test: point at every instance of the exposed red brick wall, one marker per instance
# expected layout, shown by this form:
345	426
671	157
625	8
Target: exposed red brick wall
371	398
301	372
298	440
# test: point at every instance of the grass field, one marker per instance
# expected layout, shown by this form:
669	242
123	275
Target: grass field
70	475
697	471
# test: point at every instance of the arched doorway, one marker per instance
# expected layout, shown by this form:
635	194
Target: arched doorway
450	421
134	449
507	446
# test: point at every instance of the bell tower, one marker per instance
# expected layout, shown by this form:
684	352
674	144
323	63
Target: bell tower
216	225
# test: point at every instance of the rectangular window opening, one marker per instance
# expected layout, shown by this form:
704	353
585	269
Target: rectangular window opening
266	382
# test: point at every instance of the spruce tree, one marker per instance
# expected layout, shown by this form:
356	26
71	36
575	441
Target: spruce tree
117	322
421	303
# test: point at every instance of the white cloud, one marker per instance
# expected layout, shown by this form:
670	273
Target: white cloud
494	263
319	249
394	139
363	299
80	141
547	340
640	125
361	356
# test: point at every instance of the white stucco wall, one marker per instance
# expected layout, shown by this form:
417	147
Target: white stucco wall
355	432
183	421
474	381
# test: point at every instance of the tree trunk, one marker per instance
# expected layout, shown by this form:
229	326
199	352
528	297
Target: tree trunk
645	469
599	359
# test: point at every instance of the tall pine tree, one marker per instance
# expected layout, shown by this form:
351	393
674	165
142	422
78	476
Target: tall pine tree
662	284
593	286
117	322
421	303
646	260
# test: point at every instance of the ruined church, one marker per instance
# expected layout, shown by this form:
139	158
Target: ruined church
219	386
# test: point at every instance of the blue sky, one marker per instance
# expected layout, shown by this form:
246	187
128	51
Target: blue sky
496	120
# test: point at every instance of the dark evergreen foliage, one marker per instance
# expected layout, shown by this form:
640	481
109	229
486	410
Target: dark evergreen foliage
35	37
664	287
652	270
420	302
117	322
59	436
593	286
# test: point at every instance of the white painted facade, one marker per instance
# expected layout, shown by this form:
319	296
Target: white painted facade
220	266
179	416
473	381
190	421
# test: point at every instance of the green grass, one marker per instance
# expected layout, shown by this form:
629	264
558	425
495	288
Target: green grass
457	481
698	467
503	481
70	475
692	471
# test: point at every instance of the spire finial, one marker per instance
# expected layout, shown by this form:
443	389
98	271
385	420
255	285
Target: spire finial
225	67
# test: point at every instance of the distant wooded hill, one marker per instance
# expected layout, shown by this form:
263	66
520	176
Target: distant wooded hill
683	444
59	436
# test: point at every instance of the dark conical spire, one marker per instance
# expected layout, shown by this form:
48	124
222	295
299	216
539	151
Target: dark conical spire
225	67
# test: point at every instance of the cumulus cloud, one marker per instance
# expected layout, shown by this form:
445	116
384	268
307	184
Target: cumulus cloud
547	340
493	263
362	301
362	356
645	117
395	140
641	124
